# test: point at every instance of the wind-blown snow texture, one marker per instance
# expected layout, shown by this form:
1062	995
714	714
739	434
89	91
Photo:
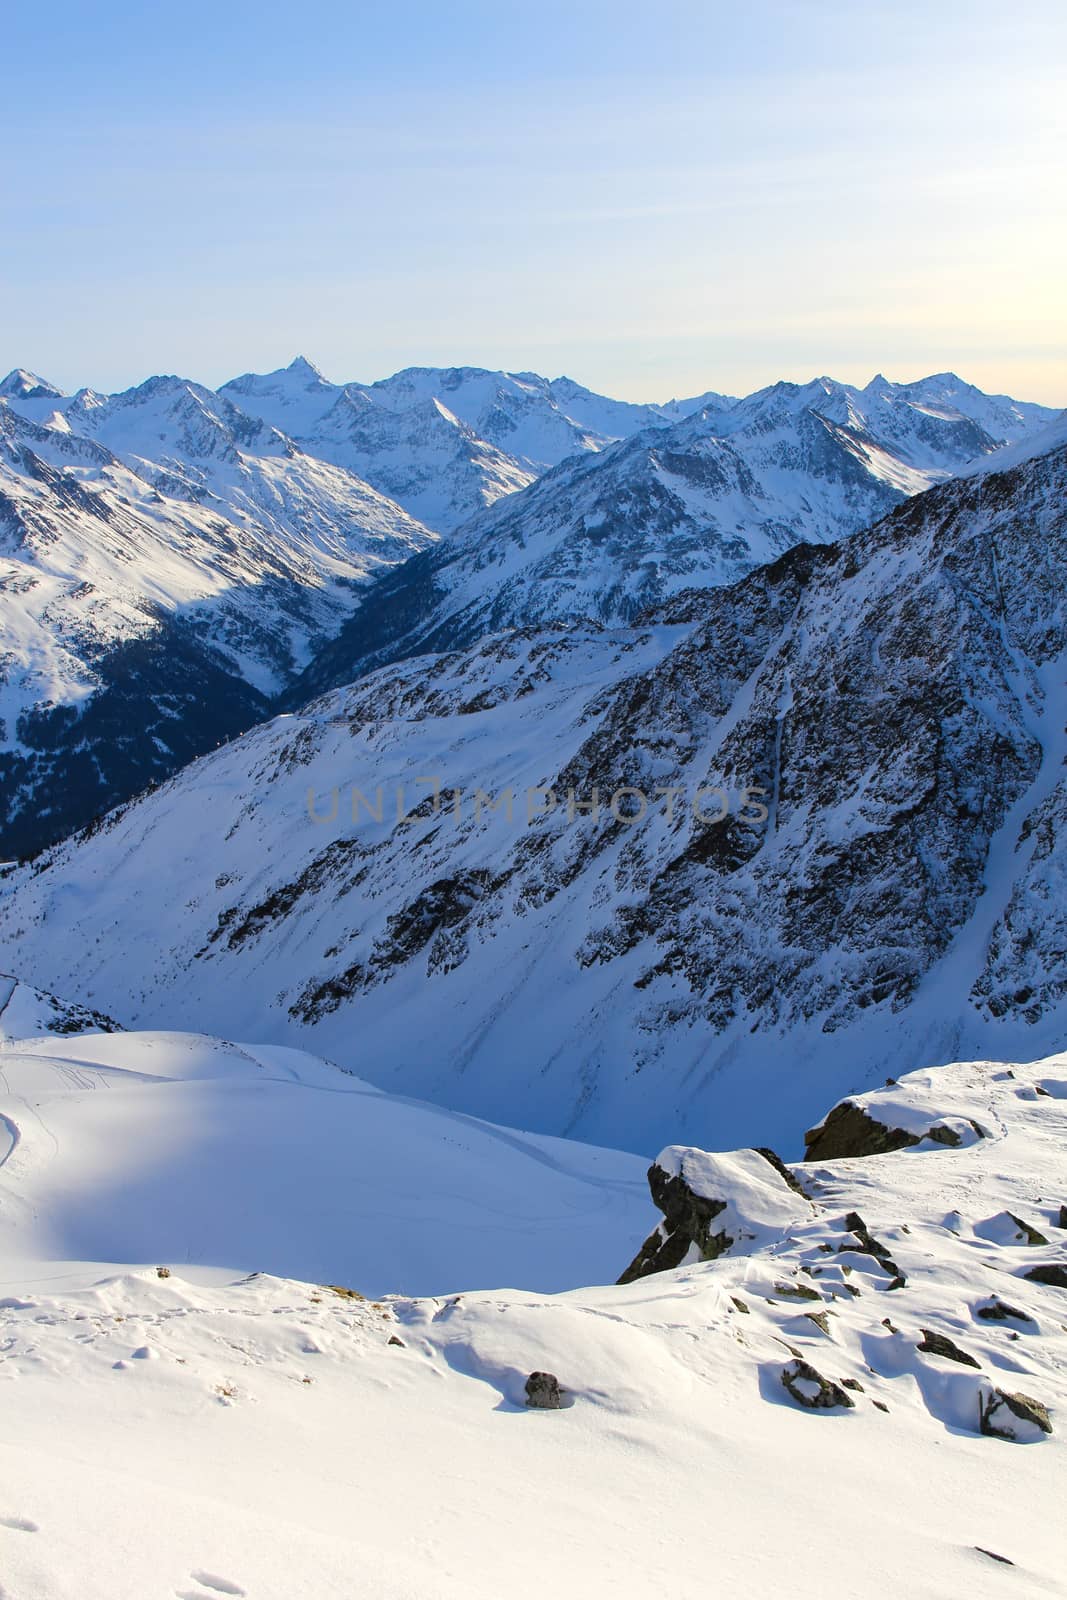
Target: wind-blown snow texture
898	698
276	1439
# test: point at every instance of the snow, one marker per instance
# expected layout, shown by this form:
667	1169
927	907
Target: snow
150	1147
214	1431
1052	436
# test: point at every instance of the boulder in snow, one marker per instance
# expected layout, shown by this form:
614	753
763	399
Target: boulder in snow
543	1392
850	1130
1012	1416
713	1202
809	1388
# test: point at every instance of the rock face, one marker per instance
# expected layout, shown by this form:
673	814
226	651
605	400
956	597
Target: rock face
712	1203
543	1392
1012	1416
810	1389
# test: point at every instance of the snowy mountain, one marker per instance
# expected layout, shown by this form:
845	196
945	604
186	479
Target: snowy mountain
173	561
166	566
444	443
177	1266
886	719
700	502
448	443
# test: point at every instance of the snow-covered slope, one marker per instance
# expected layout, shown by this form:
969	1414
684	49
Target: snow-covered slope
702	501
891	896
166	565
272	1438
185	1150
26	1013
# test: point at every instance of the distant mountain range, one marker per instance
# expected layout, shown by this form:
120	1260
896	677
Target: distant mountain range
686	504
176	563
446	443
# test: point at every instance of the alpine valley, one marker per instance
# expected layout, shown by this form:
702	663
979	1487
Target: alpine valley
466	831
424	874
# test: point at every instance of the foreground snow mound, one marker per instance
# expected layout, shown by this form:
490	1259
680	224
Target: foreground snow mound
182	1149
288	1440
926	1108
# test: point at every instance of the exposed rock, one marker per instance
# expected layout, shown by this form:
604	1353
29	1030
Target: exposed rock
851	1131
869	1245
992	1554
1062	1222
1050	1273
809	1388
27	1012
1000	1311
1030	1234
543	1392
746	1192
797	1291
936	1344
1012	1416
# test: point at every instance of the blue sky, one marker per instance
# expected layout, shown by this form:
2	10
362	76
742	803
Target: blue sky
656	199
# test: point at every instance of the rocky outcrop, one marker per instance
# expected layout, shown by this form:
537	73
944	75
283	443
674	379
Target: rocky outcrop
711	1203
1012	1416
938	1344
849	1130
1050	1273
810	1389
28	1013
999	1311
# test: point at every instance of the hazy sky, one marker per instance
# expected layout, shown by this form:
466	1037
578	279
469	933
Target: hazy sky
655	198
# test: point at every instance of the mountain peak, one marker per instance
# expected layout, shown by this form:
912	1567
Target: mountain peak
22	385
301	367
